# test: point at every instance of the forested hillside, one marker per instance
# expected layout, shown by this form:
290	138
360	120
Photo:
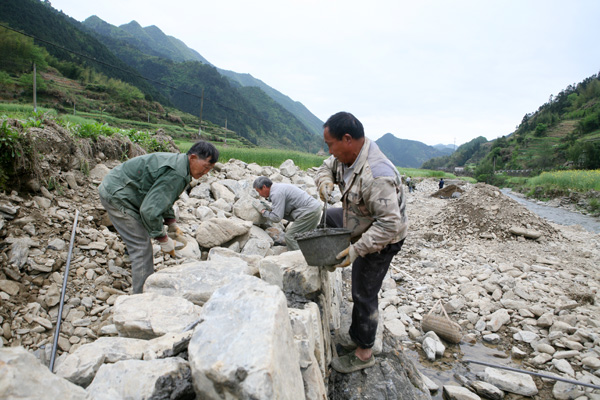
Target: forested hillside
152	41
469	153
563	133
407	153
191	86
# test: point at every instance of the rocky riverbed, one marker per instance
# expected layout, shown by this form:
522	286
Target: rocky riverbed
521	288
533	304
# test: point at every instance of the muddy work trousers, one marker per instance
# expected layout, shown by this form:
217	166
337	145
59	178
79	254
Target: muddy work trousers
305	223
138	242
367	277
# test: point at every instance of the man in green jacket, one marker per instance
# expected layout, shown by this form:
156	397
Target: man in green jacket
139	194
374	209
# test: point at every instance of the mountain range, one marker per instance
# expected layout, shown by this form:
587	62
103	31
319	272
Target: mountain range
150	39
166	70
409	153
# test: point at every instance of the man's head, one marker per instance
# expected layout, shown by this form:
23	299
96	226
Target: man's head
202	157
262	185
344	135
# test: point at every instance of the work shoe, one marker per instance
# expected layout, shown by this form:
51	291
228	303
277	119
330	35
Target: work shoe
350	363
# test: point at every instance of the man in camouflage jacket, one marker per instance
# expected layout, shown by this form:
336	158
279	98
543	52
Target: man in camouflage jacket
374	210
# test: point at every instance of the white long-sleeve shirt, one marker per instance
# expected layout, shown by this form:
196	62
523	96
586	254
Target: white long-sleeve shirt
290	202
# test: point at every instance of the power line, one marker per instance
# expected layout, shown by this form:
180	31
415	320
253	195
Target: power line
130	72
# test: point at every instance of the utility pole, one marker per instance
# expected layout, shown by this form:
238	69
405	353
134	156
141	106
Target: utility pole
34	88
201	106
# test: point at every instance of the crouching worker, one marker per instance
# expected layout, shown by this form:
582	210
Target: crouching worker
291	203
139	194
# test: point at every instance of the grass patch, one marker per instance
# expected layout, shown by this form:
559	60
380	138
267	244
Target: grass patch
425	173
260	156
578	180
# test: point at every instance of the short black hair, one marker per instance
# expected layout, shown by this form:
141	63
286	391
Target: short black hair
204	150
343	122
262	181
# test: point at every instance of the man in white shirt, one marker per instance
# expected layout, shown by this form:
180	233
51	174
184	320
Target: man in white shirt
291	203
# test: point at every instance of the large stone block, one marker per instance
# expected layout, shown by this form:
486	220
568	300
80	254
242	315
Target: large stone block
150	315
196	281
136	379
290	272
244	348
23	377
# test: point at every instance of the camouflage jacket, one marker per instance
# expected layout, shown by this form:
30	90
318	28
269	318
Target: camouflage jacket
373	198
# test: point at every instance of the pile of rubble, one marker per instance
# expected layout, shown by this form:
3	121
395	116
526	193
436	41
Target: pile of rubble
483	211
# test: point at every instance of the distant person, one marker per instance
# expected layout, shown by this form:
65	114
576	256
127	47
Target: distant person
374	209
409	184
441	184
139	194
288	202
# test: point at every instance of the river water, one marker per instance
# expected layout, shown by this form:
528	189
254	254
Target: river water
555	214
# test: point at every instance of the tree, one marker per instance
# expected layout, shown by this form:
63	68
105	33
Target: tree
22	52
540	130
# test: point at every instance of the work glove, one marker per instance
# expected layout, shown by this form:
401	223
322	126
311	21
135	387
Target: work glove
175	233
258	205
325	190
167	245
348	255
266	206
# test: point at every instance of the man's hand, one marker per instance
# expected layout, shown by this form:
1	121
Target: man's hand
258	205
167	245
175	233
325	190
348	255
174	228
266	205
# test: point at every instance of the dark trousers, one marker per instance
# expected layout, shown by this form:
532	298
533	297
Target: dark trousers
367	277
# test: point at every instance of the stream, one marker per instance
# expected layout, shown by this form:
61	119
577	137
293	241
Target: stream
556	214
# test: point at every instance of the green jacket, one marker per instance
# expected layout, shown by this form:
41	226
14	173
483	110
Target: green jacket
372	198
146	187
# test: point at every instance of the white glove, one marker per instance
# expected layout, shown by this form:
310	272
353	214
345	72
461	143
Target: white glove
325	190
258	205
167	246
348	255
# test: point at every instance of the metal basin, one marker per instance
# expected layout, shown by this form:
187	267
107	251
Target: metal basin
320	246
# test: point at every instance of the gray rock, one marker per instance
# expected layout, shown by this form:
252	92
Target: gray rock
452	392
22	376
81	366
245	345
150	315
216	231
155	379
196	281
509	381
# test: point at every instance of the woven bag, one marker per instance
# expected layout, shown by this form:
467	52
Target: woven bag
441	324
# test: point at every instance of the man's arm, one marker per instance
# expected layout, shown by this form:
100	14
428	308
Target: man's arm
159	201
381	199
277	207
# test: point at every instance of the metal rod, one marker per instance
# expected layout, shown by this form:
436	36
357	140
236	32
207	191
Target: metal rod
62	295
556	378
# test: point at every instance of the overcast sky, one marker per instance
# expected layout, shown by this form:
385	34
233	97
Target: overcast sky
437	71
